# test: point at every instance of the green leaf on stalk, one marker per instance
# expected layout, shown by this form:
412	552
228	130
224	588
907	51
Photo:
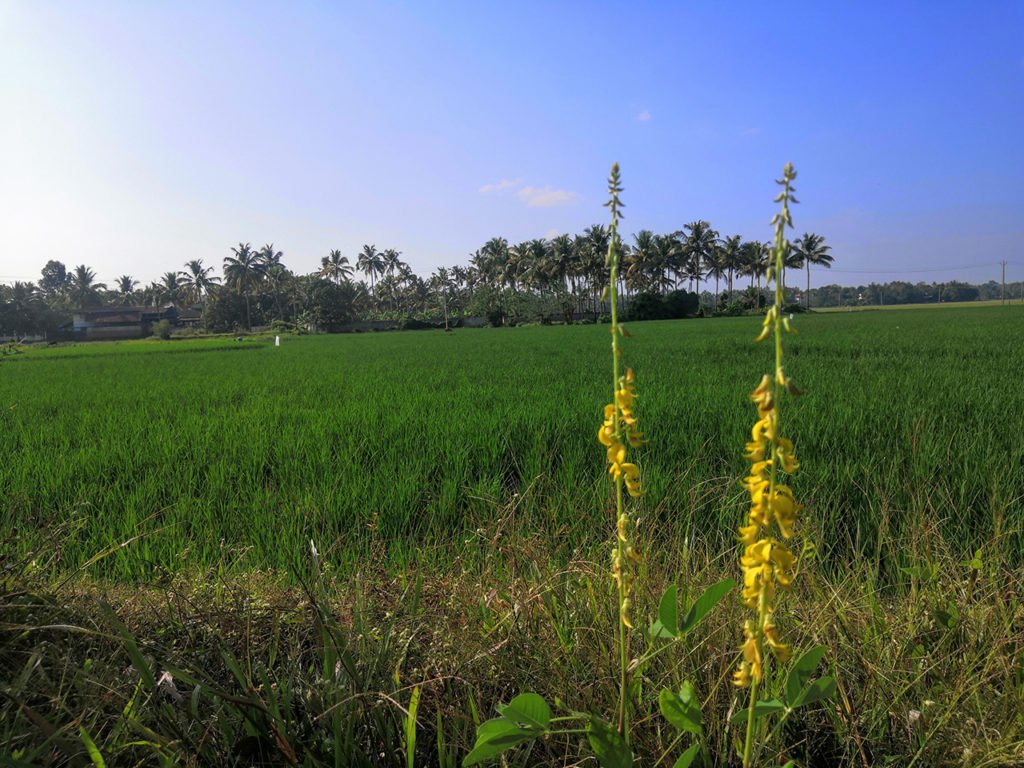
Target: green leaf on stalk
702	606
666	625
821	689
523	719
682	709
495	736
527	709
801	673
609	747
687	757
761	709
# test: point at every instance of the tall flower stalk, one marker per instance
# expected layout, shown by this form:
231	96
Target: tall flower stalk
618	431
767	562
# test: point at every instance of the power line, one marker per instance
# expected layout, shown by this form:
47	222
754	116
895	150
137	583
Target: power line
907	271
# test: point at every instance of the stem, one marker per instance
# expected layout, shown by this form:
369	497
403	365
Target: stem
620	550
748	744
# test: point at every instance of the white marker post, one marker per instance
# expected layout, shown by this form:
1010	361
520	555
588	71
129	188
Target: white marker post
277	341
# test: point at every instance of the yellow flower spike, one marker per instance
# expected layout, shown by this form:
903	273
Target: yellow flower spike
619	429
766	562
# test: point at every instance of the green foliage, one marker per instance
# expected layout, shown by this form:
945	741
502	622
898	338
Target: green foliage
610	748
655	306
162	329
681	709
667	624
802	689
523	719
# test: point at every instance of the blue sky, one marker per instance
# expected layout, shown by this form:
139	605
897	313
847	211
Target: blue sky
136	136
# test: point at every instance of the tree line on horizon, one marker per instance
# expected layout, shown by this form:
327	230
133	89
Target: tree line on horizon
537	279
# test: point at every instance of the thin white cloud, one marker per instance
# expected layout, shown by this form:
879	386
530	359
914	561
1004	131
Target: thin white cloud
500	186
546	197
644	116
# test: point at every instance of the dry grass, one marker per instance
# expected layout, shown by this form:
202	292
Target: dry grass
921	682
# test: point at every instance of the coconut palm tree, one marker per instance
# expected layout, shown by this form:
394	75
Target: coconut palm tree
125	288
811	249
667	253
169	289
277	276
274	272
371	264
732	255
642	260
197	281
242	271
391	261
594	253
270	257
22	309
85	291
561	255
700	245
517	268
336	267
755	260
716	267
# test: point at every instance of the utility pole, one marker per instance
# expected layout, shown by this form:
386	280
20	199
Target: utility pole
1003	296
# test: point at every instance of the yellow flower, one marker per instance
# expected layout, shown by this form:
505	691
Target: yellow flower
752	666
632	473
628	432
779	649
766	562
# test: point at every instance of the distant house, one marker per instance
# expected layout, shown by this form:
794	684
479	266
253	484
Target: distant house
117	322
189	317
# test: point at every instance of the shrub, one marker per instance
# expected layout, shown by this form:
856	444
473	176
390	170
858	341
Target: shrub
162	329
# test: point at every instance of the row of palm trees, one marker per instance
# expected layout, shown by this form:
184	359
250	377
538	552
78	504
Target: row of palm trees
575	265
652	262
568	270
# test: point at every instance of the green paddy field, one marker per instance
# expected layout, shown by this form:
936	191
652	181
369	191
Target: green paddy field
402	443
